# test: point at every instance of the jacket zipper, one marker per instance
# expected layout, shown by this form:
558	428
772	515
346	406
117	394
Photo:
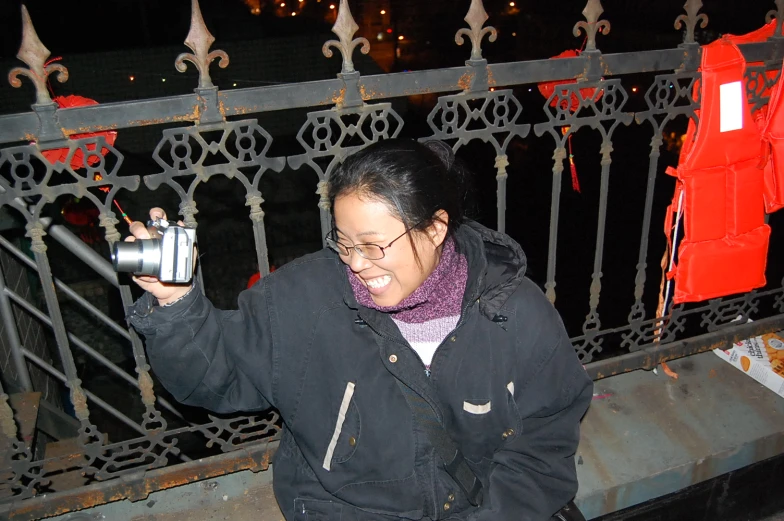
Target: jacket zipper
450	335
428	372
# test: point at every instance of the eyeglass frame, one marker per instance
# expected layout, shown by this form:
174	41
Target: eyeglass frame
332	243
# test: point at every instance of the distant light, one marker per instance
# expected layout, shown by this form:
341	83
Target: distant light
300	1
383	11
234	85
132	78
380	36
163	79
634	89
671	85
401	37
492	89
514	34
511	4
256	10
389	31
331	6
293	14
529	90
283	4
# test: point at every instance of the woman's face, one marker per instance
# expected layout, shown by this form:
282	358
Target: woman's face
360	220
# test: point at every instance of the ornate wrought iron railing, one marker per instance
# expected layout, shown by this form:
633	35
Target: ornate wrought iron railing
476	102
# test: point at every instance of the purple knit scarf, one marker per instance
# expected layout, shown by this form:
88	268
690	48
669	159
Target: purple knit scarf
439	296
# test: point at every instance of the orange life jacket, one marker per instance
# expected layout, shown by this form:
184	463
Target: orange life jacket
725	240
770	121
773	149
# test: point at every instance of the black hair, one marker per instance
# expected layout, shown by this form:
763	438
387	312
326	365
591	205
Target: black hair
414	179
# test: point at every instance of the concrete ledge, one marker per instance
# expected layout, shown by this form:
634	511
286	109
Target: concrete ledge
645	436
242	496
648	435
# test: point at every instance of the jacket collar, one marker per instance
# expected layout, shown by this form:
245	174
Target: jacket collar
496	266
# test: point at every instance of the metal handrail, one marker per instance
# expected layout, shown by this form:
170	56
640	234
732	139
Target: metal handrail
95	355
43	364
89	307
70	293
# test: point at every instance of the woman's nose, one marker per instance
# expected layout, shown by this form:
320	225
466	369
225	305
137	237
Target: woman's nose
357	262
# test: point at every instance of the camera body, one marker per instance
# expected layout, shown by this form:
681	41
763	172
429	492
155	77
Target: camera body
168	255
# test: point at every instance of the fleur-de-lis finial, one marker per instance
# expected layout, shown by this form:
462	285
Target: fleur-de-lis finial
778	14
690	19
593	10
476	18
34	54
199	40
345	27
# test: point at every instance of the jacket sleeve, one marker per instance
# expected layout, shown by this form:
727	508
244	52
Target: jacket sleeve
206	357
534	474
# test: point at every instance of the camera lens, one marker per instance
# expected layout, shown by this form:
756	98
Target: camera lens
140	257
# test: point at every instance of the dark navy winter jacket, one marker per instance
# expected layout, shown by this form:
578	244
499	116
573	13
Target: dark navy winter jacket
506	383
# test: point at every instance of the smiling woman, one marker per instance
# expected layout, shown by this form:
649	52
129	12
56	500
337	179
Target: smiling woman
392	272
377	198
414	321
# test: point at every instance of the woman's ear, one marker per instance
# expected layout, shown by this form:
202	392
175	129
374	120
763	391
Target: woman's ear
437	231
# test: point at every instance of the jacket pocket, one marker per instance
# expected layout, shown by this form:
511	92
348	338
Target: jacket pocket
345	436
314	510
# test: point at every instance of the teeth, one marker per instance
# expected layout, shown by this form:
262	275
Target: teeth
379	282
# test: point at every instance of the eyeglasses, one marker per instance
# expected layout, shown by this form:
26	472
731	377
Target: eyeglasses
366	250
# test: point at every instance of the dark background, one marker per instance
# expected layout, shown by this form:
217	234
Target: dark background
106	42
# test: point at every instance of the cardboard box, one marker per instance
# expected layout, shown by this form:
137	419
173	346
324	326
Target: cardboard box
760	357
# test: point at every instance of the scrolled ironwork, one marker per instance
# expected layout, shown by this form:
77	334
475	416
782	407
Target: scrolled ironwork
329	136
592	11
760	80
722	313
691	19
345	27
572	106
670	96
476	18
26	173
103	462
190	152
199	40
778	14
491	117
34	54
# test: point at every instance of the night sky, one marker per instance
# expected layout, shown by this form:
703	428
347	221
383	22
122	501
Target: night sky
98	25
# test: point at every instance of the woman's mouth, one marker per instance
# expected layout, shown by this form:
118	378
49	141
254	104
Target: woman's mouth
377	285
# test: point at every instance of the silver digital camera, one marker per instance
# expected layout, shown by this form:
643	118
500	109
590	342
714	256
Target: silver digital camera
168	255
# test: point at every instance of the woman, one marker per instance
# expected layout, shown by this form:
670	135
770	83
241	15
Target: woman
419	373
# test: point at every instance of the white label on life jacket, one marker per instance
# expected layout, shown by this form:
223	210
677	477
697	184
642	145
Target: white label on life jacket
731	106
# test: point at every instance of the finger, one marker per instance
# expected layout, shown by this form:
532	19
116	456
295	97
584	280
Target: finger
139	230
149	279
157	213
130	238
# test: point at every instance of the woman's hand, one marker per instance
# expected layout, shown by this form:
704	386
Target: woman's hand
164	292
